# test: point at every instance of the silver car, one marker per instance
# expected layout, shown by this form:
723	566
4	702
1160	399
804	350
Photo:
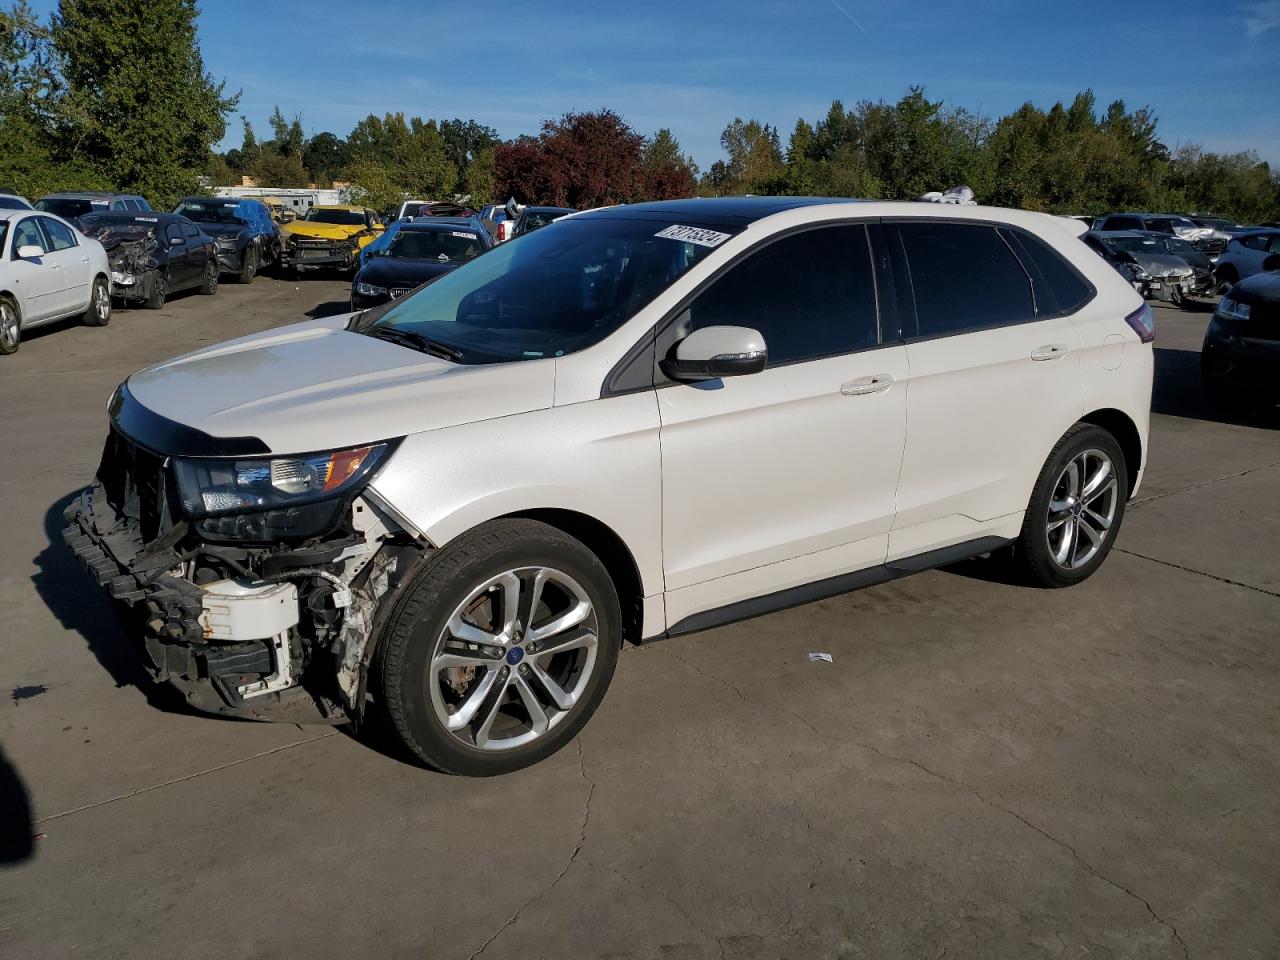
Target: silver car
1246	255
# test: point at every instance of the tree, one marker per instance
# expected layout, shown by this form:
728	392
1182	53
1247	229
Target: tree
478	179
580	160
755	162
464	140
289	138
148	111
325	155
668	173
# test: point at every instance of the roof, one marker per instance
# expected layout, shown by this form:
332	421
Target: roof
85	195
129	216
441	223
729	211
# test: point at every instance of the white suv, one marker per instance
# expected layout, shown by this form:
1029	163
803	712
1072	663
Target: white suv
635	423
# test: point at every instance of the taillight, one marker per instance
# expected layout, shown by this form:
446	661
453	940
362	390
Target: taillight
1143	323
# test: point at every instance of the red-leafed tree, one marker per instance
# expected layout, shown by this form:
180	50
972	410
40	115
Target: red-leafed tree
668	173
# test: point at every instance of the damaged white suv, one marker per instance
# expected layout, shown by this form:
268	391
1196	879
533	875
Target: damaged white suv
634	423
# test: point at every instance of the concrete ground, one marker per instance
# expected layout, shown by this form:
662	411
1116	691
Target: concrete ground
982	771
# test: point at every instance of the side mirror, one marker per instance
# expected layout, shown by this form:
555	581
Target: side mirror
29	251
1268	264
714	352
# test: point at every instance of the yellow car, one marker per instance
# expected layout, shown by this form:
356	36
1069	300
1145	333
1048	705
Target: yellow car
329	236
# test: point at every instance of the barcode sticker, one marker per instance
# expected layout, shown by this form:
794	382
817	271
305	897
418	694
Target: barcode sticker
699	235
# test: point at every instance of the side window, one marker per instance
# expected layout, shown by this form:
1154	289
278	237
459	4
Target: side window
1058	285
1122	223
142	204
132	204
189	231
174	233
1256	242
1275	243
26	234
60	237
810	295
964	277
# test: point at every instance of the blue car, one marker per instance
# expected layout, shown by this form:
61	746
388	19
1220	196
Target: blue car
248	239
384	242
419	251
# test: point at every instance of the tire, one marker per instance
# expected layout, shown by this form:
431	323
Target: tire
210	285
249	265
98	313
159	291
1041	547
1227	276
464	591
10	327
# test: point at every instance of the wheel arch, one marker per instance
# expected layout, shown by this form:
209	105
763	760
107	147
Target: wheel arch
1121	426
605	543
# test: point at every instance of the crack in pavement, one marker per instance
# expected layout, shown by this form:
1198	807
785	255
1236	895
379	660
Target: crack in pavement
1202	483
699	928
190	776
1199	573
582	839
976	793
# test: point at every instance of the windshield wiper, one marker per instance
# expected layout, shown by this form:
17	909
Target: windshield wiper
416	341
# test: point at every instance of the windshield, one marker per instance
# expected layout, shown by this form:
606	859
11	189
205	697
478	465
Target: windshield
532	221
1178	245
434	245
209	211
1161	224
11	203
347	218
1134	244
1215	223
549	293
70	207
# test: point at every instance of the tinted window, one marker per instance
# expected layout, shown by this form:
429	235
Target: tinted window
60	237
189	231
1160	224
173	232
1256	242
27	233
435	245
811	295
1059	288
964	277
1122	223
1275	243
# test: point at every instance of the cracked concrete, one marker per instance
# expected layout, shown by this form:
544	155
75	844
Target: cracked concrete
983	770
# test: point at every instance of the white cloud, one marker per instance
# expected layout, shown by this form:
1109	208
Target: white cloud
1262	17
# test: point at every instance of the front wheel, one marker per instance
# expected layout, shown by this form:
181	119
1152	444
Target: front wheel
159	290
1075	510
248	265
10	327
499	650
210	285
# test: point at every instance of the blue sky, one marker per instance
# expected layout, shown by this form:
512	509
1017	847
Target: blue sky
1209	70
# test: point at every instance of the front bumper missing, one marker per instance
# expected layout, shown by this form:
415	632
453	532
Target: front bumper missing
303	257
235	647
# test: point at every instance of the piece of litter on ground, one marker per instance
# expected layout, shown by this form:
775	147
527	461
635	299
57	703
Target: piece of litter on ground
815	657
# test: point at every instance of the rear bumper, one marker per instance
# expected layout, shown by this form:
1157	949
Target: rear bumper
1246	365
303	258
141	287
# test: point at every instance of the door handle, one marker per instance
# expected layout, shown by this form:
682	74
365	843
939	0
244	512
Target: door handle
84	259
1050	351
876	383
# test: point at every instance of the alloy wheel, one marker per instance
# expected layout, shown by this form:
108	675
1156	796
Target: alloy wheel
8	326
101	302
514	659
1082	509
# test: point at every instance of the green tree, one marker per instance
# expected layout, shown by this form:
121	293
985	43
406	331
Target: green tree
479	181
325	155
668	173
134	75
755	163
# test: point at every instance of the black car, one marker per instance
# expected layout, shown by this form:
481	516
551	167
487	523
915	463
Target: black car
419	251
531	218
1241	354
154	254
247	237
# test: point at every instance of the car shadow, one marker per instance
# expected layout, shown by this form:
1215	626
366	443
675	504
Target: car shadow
1178	392
80	605
17	842
330	308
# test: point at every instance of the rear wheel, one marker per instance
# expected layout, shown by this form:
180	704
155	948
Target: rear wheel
98	313
1075	510
159	290
10	327
497	653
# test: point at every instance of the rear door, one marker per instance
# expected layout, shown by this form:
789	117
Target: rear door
994	384
37	282
74	266
787	476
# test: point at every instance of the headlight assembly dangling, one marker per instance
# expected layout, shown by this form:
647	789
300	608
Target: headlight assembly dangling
211	487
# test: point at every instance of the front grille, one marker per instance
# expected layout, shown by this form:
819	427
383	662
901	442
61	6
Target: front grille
134	482
398	292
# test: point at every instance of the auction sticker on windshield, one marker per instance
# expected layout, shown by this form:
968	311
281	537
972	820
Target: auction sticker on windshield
699	235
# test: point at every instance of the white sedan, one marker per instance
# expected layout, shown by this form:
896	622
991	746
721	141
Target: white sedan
48	271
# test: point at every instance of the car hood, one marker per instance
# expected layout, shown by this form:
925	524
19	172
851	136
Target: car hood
1158	264
388	271
323	231
1260	288
223	229
317	386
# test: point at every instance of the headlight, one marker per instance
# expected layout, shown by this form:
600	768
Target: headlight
1140	274
369	289
209	487
1233	309
1177	272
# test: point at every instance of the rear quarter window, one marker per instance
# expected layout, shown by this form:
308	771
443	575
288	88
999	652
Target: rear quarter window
1059	287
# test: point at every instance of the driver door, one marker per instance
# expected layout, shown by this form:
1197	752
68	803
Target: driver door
37	282
788	476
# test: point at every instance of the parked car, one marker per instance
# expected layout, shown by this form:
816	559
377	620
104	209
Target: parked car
329	236
1157	274
531	218
154	254
247	237
1245	256
383	239
72	206
11	201
48	272
1228	228
410	208
492	216
1207	240
1240	359
631	424
419	251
